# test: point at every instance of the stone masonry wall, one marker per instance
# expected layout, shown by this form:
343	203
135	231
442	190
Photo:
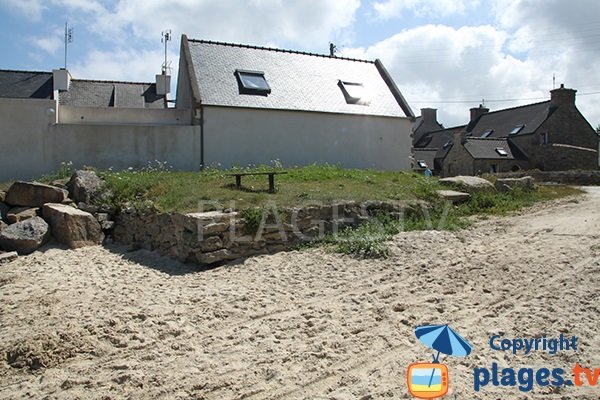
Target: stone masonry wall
213	237
573	177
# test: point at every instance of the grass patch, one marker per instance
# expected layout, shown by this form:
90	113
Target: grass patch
212	188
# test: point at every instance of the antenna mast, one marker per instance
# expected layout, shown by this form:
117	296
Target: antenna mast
166	38
68	39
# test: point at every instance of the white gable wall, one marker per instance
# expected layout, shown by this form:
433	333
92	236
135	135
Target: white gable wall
242	136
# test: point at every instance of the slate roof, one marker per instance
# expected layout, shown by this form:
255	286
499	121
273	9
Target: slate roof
87	93
25	84
504	121
421	130
480	148
298	81
81	93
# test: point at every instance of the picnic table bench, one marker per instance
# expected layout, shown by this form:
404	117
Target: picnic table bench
238	178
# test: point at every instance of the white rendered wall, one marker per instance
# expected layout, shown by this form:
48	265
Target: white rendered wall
240	136
32	144
123	116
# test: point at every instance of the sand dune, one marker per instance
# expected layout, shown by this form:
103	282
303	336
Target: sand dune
105	323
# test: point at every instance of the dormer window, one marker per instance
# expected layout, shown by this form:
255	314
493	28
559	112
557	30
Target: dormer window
252	82
354	93
486	133
517	129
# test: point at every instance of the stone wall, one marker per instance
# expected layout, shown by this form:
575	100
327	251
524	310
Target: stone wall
574	177
214	237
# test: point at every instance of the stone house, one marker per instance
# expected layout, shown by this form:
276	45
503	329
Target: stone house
550	136
257	104
475	156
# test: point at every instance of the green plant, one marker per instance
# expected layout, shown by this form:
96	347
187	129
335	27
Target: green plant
252	220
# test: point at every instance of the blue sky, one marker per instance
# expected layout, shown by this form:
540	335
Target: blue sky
446	54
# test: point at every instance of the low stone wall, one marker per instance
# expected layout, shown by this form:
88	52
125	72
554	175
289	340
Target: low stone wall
213	237
573	177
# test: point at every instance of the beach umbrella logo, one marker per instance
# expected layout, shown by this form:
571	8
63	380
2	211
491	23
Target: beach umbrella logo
430	380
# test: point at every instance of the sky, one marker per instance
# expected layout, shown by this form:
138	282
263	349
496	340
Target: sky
451	55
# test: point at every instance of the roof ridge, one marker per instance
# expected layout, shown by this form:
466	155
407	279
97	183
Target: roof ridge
248	46
102	81
514	108
25	72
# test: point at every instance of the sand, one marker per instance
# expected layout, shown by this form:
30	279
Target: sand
105	323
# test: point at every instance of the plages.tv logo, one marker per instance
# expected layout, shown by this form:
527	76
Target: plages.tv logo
428	380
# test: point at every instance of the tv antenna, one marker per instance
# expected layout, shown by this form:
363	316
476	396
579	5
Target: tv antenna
332	49
166	38
68	39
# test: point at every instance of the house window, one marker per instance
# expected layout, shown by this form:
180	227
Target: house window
501	151
486	133
355	93
252	82
422	164
517	129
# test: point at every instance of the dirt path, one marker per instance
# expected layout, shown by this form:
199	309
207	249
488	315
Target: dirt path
105	323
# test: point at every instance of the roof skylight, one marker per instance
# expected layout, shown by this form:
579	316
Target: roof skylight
252	82
501	151
355	93
517	129
486	133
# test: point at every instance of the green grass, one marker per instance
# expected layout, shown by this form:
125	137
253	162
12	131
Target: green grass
183	191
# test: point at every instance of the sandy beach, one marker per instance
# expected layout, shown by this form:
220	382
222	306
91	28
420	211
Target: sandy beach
108	323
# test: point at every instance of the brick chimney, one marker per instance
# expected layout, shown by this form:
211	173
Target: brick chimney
562	97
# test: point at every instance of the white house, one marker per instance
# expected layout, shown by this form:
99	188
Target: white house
235	105
256	104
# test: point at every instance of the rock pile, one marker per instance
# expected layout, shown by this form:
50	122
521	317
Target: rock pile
31	213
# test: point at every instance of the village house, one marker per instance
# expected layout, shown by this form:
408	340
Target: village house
235	105
550	136
257	104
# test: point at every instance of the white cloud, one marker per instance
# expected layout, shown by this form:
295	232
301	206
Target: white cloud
50	44
440	67
396	8
437	63
299	23
32	9
122	65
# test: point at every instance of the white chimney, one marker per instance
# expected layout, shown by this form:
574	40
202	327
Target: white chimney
61	79
163	84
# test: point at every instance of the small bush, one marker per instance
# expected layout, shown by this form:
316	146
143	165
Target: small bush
253	218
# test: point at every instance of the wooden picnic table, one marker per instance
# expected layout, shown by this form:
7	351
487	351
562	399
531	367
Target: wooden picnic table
238	178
